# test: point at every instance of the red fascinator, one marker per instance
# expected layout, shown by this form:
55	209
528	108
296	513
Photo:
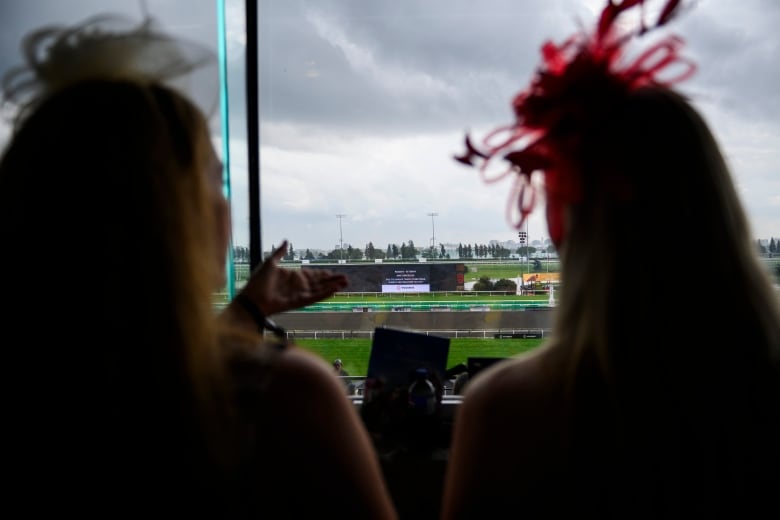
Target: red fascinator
576	83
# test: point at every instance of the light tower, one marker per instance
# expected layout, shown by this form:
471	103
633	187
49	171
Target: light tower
522	237
341	237
433	231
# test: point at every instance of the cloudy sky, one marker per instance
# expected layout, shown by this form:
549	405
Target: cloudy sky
364	103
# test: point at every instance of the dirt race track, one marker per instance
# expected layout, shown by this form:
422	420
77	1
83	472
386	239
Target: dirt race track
474	323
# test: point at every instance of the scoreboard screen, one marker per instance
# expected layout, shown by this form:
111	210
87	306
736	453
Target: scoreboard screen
399	278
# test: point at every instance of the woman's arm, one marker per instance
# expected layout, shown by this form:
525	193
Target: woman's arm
322	450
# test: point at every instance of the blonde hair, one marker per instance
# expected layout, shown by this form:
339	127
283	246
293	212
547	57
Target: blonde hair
620	255
671	352
113	167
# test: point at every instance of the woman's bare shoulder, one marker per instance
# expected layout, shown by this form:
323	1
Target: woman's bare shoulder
506	436
292	375
525	378
304	419
520	394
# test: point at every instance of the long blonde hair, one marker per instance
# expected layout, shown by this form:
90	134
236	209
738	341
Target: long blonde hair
115	169
122	249
673	363
656	191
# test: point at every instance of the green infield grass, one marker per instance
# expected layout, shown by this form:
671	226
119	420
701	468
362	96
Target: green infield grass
354	353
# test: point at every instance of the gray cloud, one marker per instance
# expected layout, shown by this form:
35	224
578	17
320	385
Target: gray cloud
404	68
363	103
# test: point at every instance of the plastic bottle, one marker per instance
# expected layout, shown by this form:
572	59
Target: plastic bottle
422	394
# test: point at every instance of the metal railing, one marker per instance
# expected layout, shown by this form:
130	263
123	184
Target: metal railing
504	333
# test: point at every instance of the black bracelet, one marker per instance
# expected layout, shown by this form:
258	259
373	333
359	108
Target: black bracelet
261	320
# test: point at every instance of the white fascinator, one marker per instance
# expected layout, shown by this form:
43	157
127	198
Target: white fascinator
108	46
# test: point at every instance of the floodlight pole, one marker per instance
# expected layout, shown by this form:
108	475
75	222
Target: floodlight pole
341	237
433	231
527	243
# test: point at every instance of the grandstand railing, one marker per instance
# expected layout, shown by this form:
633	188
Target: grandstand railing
432	306
505	333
